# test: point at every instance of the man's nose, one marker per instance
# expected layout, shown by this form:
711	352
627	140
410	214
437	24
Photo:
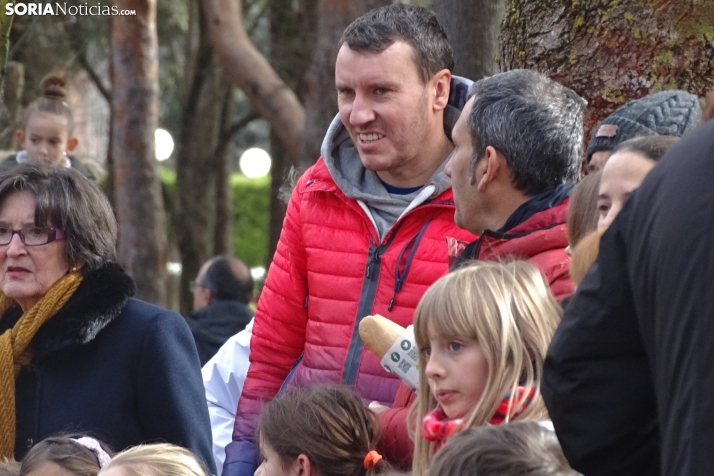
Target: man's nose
447	169
362	111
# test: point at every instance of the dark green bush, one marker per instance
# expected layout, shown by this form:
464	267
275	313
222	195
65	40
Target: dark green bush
251	214
251	219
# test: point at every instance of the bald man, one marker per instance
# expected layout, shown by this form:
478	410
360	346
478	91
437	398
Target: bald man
221	293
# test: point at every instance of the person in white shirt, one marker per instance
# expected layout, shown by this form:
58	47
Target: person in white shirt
223	378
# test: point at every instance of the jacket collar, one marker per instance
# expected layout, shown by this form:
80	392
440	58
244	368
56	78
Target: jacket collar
537	204
97	301
544	214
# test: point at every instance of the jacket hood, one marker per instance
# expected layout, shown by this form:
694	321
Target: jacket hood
355	181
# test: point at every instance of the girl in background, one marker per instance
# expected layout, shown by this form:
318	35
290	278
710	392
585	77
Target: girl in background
482	332
47	129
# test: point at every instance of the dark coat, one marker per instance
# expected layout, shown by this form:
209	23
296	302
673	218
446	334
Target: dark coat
114	367
11	162
214	324
629	374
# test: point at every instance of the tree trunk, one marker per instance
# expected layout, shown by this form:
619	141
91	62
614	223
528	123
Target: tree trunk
135	101
5	25
292	40
473	28
320	96
222	236
196	171
612	51
247	69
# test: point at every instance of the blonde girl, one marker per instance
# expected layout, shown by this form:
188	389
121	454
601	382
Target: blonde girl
482	332
159	459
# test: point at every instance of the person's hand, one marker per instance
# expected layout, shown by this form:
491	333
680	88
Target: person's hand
377	407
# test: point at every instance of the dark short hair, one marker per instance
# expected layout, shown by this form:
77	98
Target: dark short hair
67	200
536	123
66	453
377	30
503	450
229	278
651	147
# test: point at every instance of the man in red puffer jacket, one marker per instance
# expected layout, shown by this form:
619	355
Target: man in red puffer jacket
366	226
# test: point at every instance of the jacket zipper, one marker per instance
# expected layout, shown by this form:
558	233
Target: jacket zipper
366	304
401	276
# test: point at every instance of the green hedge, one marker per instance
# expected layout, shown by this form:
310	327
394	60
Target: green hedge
251	214
251	219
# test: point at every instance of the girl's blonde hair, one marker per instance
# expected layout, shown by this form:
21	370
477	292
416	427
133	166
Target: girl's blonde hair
159	459
509	309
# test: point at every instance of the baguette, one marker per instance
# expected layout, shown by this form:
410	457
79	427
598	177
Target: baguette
379	333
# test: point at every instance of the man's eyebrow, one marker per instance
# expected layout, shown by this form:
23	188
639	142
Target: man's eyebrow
384	85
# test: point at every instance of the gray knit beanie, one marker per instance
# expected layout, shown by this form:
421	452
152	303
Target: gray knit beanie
672	112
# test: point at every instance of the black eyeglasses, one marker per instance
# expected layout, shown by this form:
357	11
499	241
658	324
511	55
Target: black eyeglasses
31	236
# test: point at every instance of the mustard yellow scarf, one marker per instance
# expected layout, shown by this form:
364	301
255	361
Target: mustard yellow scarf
15	352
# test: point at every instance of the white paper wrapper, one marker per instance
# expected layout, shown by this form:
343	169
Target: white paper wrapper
403	359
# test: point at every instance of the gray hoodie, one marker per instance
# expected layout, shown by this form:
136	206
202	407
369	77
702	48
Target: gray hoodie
362	185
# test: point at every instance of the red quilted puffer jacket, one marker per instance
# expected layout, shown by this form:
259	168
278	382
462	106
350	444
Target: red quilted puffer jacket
329	271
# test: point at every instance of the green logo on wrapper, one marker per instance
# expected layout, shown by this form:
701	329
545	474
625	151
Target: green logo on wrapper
395	357
406	345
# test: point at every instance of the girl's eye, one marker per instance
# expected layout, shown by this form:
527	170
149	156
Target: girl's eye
426	351
455	346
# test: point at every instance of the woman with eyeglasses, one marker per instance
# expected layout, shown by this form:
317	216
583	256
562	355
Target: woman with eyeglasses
77	352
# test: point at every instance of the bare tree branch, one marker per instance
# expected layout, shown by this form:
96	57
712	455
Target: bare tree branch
71	27
228	134
247	69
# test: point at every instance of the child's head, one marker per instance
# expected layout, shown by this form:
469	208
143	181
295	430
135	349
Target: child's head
47	127
55	456
482	331
159	459
504	450
325	431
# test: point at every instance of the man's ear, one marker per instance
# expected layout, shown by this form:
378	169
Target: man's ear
207	295
72	144
302	466
441	84
492	166
20	135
